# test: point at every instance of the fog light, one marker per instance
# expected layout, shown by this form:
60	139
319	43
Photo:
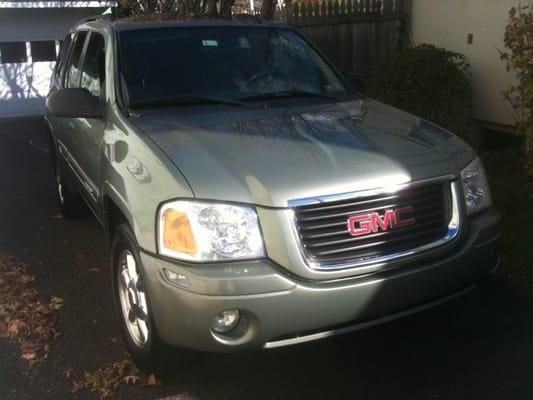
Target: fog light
225	321
178	279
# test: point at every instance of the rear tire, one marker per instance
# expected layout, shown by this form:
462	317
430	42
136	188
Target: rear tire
132	303
69	202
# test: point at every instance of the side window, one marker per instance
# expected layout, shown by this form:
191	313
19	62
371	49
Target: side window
62	57
72	75
93	73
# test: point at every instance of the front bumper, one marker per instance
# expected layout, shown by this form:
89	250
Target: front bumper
278	309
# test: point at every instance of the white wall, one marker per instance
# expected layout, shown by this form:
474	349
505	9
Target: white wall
23	87
447	23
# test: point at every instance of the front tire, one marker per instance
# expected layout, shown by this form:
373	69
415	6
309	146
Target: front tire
133	303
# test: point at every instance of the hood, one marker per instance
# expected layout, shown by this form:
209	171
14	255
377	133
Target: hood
270	156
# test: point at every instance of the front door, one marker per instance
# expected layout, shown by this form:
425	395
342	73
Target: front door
86	135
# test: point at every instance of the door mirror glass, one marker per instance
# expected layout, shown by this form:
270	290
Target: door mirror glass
74	103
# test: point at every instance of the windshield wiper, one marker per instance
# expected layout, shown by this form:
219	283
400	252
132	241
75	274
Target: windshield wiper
186	99
286	94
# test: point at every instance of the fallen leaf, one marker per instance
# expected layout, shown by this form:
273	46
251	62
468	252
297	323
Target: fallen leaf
69	373
152	381
106	394
29	356
108	378
13	328
77	386
26	278
31	347
43	309
25	318
56	302
131	379
93	379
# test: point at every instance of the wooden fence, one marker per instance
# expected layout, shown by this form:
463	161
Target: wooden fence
356	35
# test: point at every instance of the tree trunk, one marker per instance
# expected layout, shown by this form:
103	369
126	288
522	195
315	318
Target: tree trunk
212	8
267	9
225	8
528	150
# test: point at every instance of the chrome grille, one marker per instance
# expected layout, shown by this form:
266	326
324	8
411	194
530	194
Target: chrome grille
323	227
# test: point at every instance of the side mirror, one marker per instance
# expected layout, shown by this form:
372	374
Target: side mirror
356	81
74	103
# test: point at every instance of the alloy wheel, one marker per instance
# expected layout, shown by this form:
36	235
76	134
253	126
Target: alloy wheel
133	301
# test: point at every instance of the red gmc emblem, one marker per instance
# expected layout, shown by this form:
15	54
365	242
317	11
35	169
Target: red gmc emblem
364	224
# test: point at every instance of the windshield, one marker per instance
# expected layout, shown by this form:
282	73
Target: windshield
231	63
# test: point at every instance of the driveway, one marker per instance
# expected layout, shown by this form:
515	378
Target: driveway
477	347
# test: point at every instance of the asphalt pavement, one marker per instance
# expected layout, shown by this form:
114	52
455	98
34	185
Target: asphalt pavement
477	347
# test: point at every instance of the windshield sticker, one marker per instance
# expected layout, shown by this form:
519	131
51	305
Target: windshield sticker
213	43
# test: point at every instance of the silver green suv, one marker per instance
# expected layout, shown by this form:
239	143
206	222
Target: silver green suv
249	197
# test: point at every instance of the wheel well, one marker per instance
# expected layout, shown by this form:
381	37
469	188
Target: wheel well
114	217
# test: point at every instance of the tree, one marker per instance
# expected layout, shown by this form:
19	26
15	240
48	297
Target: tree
267	9
173	9
519	58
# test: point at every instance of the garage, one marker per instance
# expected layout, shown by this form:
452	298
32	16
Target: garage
30	35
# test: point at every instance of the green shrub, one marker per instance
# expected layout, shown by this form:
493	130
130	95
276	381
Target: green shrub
427	81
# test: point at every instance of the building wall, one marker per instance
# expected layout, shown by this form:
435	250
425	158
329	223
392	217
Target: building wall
23	86
448	23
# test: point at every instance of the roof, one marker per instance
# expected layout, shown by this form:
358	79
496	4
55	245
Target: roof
136	23
122	25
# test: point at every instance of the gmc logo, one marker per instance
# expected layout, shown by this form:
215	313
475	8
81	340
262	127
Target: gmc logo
364	224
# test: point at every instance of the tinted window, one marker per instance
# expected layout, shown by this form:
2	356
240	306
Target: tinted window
43	51
93	74
63	52
75	59
13	52
229	62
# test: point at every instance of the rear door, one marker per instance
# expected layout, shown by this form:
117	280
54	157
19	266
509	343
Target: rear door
58	125
68	76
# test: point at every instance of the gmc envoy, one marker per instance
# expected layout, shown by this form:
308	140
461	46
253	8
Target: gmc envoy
250	198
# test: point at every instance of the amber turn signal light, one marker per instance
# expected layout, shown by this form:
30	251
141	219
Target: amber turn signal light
177	232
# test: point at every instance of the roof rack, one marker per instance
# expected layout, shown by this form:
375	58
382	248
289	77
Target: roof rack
247	18
100	17
244	18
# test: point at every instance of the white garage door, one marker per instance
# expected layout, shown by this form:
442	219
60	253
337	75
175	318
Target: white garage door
25	71
29	41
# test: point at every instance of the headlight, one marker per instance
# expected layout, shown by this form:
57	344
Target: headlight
475	187
202	231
